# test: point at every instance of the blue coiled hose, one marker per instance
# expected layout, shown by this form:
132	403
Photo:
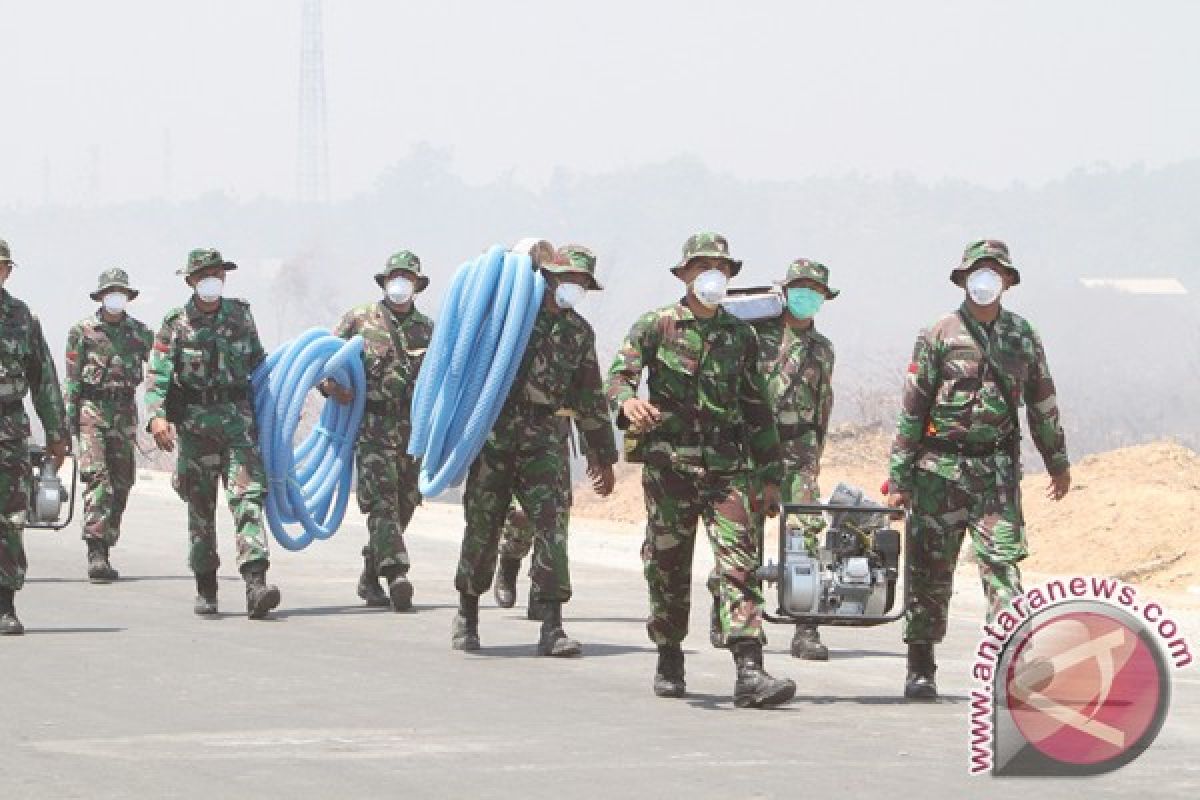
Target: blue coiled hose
472	360
309	484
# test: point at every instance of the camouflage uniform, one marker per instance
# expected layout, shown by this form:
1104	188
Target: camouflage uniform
208	359
394	346
103	371
525	454
26	367
798	365
516	540
700	461
957	452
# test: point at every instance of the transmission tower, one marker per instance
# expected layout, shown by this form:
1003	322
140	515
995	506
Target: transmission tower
312	154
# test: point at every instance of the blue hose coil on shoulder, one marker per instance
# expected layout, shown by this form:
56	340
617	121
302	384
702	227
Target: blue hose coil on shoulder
308	484
476	350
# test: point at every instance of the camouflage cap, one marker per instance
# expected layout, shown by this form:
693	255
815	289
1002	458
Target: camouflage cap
115	278
803	269
6	254
707	244
203	258
403	261
978	251
575	259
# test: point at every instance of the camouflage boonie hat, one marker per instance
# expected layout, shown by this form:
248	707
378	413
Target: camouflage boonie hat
6	254
979	250
805	269
203	258
406	261
115	278
700	245
575	259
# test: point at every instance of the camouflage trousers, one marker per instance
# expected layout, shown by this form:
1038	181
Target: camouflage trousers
388	495
203	462
107	469
943	511
799	486
516	540
676	500
15	477
526	462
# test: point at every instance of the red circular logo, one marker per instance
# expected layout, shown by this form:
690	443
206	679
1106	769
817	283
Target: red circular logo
1084	688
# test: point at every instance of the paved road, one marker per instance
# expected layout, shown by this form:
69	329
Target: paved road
119	691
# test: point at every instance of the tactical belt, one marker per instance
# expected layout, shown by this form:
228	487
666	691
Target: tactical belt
968	449
696	438
208	397
116	395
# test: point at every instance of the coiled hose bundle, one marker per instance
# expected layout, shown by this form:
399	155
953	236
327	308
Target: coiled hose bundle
310	484
471	363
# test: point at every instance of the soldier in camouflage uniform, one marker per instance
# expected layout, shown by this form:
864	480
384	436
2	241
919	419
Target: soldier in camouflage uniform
105	354
395	337
199	385
517	540
708	440
956	458
26	367
798	362
524	456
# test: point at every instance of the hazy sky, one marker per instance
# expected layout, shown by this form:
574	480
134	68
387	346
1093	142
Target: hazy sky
991	92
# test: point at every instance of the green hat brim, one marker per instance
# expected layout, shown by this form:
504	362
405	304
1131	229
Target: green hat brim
830	293
559	269
96	295
188	272
958	276
737	265
419	281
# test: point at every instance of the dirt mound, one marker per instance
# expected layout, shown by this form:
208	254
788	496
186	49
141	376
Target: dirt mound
1133	513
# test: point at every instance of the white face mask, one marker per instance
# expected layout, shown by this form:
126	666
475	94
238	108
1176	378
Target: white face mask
567	295
399	290
115	302
210	289
984	286
710	286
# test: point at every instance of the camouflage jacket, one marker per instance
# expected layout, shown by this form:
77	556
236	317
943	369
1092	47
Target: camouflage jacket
560	374
704	377
798	365
391	364
106	357
951	398
217	351
26	367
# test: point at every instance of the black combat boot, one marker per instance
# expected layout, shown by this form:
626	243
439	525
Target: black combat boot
9	624
206	594
99	570
920	684
464	635
368	583
505	590
400	590
806	644
554	640
668	675
261	597
755	688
